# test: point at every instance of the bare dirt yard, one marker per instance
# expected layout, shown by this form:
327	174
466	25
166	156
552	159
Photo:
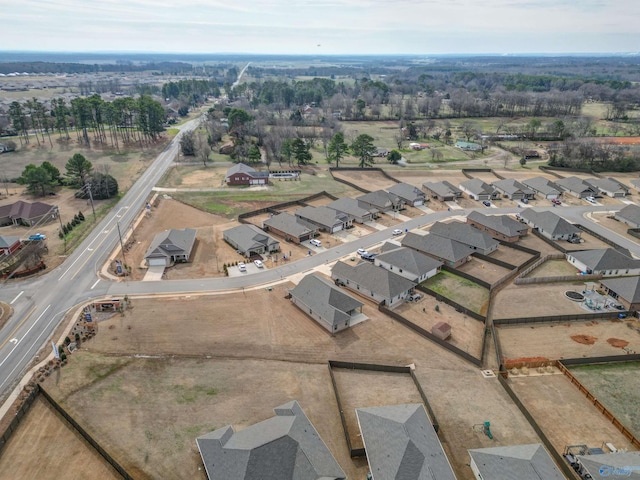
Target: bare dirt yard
554	268
510	255
464	292
44	434
418	177
609	222
555	404
568	339
589	242
368	180
489	272
533	242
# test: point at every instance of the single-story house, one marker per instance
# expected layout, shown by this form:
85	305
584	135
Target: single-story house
170	246
290	227
443	191
9	244
411	195
608	186
636	183
446	250
250	240
629	215
325	218
327	304
500	227
350	206
543	187
284	447
610	466
381	201
401	443
550	225
468	146
241	174
513	190
374	282
606	261
381	152
625	290
479	190
466	234
577	187
26	213
522	462
409	263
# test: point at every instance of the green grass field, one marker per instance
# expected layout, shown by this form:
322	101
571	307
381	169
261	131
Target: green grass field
460	290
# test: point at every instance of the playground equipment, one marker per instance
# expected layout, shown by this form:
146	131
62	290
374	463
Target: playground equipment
484	427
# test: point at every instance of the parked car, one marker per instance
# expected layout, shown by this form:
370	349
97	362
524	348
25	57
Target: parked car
525	200
555	201
368	256
242	267
397	231
37	236
486	203
362	251
315	243
258	263
590	199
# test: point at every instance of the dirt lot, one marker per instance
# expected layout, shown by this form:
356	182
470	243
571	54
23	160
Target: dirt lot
554	340
617	386
368	180
555	404
554	268
610	223
590	243
44	434
466	293
361	388
510	255
489	272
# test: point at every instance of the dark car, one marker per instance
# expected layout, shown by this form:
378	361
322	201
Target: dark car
368	257
486	203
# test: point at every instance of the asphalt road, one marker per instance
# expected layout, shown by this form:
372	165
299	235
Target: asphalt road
40	304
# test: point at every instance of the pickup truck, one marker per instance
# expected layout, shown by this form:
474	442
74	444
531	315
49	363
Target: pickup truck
37	236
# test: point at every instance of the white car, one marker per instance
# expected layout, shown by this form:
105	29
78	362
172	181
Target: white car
242	267
397	231
315	243
258	263
590	199
362	251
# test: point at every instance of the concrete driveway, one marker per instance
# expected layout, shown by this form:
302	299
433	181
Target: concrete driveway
154	274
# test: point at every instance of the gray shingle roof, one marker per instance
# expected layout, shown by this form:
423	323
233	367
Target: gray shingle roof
444	188
511	186
549	222
407	192
248	237
349	206
517	462
577	185
172	242
607	184
7	241
379	199
401	443
242	168
630	213
373	278
409	260
325	299
478	187
605	259
324	216
284	447
500	223
437	246
290	224
26	210
542	185
464	233
608	466
626	287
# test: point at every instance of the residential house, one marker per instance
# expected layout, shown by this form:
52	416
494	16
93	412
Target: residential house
543	187
636	183
513	190
608	186
241	174
625	290
284	447
411	195
409	263
401	443
289	227
9	244
606	261
325	218
500	227
170	246
609	466
374	282
468	146
28	214
249	240
479	190
550	225
521	462
381	201
466	234
577	187
381	152
351	207
327	304
448	251
629	215
443	191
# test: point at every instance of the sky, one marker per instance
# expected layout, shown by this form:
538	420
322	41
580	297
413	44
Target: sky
323	27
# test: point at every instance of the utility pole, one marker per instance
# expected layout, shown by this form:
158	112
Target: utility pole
64	235
124	260
88	187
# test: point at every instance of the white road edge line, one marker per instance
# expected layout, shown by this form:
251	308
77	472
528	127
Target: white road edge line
17	297
94	285
27	333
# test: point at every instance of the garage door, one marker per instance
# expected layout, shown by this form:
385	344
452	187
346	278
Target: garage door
337	228
418	202
157	262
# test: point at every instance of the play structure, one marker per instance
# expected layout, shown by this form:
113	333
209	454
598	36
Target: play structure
484	427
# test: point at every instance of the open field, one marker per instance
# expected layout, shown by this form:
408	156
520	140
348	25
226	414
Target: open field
368	180
542	300
554	268
489	272
460	290
617	386
44	435
554	340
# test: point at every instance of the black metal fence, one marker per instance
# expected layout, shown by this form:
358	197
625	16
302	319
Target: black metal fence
242	218
466	276
494	261
452	303
602	238
22	411
581	317
553	243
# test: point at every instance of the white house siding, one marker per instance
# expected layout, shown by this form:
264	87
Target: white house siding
330	327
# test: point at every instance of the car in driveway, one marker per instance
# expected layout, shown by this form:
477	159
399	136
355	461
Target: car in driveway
258	263
361	251
315	243
555	201
590	199
242	267
486	203
369	257
397	231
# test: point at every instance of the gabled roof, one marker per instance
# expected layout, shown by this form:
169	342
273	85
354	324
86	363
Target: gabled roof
409	260
242	168
389	245
322	215
511	186
521	462
407	192
379	199
542	185
375	279
607	184
248	237
401	443
172	242
437	246
477	187
443	189
464	233
605	259
607	466
626	287
7	241
26	210
349	206
631	212
577	185
500	223
290	224
549	222
325	299
284	447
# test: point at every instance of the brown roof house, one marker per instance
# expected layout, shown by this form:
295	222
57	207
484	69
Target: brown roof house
241	174
29	214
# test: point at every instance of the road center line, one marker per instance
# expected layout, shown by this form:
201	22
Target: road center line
17	297
27	333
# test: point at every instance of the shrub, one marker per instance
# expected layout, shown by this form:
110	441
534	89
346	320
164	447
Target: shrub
63	357
437	308
67	340
81	216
